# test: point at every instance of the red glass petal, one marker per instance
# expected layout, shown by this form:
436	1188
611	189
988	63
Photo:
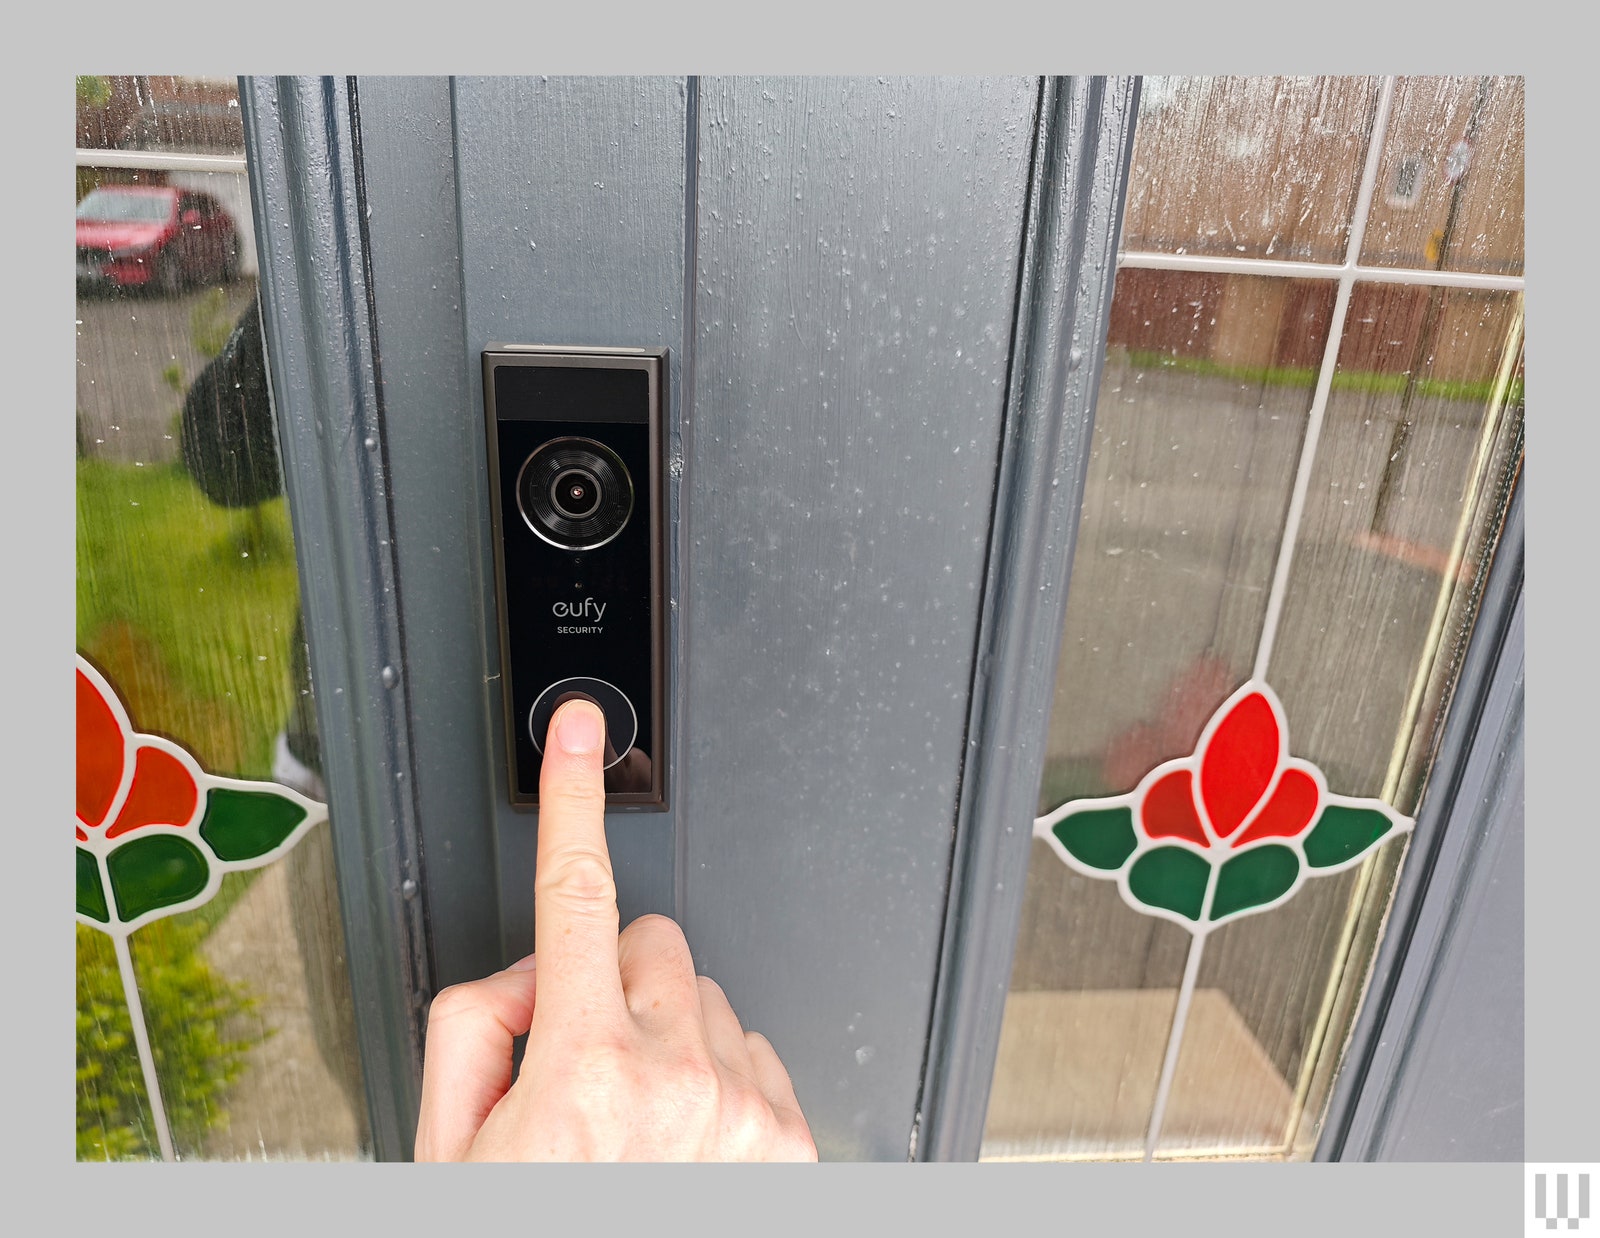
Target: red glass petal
100	753
1168	810
1291	809
1239	763
163	793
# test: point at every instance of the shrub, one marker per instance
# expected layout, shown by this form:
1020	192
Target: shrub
192	1015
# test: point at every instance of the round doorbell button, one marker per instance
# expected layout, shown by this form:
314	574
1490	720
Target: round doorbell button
622	723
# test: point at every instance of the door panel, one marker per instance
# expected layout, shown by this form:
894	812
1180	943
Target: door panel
857	247
834	420
571	197
885	304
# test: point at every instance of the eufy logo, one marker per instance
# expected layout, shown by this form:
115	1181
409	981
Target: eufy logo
586	609
1559	1198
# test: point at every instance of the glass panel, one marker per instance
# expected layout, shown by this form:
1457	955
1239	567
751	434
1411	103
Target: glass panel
1408	486
1450	182
204	858
1259	167
1199	422
1221	830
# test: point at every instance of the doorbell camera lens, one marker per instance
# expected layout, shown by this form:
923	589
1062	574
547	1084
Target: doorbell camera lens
575	493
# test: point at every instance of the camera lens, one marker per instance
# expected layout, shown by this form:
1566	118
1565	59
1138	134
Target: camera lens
575	493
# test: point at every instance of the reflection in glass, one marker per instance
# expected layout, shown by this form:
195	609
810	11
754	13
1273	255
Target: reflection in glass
1409	485
1201	413
1200	427
187	600
1451	179
1257	167
1410	446
1197	431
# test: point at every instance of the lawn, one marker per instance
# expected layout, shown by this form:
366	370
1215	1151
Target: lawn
188	609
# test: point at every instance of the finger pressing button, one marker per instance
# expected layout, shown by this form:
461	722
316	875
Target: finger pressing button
622	722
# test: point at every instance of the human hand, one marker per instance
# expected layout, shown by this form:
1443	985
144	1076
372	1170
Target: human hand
630	1055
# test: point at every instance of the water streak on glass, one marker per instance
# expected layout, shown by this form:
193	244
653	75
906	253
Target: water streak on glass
1248	167
1450	186
1199	425
187	602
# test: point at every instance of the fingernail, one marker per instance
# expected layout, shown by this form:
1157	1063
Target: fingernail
523	964
579	728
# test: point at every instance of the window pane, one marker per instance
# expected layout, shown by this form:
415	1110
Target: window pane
1200	418
1223	923
1199	421
1259	167
202	873
1450	181
1408	486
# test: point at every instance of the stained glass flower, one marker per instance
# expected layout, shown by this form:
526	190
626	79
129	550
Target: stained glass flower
156	833
1232	829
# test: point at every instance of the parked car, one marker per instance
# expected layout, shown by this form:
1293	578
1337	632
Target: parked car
155	236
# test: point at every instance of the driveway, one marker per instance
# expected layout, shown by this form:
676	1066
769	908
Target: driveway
137	355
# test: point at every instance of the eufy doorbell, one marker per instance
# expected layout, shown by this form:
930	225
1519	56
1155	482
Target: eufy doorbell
575	460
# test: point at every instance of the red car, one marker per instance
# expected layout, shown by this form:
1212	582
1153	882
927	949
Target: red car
154	236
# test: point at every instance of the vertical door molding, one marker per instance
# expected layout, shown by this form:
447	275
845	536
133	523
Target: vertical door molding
1082	152
322	359
434	453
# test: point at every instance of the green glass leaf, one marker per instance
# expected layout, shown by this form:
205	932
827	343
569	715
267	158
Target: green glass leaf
1173	878
91	894
155	871
1342	833
1100	837
241	825
1252	878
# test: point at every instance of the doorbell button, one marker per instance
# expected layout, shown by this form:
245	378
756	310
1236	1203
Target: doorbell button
622	722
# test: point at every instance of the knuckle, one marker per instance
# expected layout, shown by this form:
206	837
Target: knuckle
606	1056
581	875
802	1147
657	934
710	990
747	1118
451	1002
659	944
697	1073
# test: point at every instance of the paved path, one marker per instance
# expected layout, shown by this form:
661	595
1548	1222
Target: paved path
126	343
287	1104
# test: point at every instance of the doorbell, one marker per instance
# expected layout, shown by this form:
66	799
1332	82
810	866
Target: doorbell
578	503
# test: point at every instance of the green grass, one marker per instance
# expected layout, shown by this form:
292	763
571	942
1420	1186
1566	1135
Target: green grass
188	608
1369	382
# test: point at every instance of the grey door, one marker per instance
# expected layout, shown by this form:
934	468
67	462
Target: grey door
885	304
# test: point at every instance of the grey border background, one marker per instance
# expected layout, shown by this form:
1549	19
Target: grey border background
1563	847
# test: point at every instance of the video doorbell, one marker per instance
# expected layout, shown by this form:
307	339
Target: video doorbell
578	501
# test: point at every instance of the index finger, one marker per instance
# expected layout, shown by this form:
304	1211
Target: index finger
574	889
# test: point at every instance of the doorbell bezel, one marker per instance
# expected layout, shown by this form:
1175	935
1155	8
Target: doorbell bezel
580	573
